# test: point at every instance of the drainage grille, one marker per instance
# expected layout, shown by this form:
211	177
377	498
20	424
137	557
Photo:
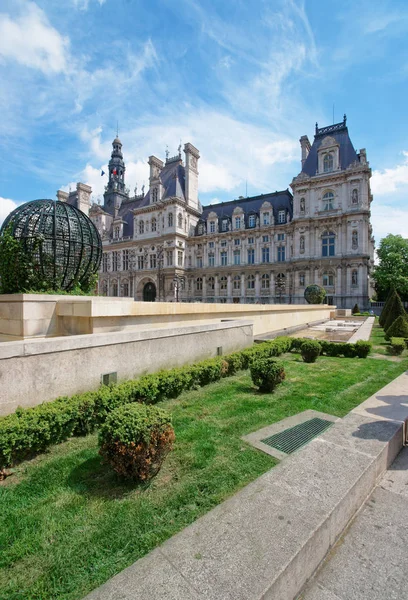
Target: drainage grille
289	440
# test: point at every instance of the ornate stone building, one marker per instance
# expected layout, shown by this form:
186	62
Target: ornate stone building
163	245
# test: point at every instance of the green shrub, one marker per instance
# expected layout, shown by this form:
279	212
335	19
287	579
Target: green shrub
310	350
397	346
355	310
362	348
135	439
399	328
406	342
396	310
314	294
267	373
32	430
384	313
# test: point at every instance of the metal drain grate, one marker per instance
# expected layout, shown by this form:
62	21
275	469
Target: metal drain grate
292	439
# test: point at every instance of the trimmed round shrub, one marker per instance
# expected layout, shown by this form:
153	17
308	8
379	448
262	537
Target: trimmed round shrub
355	310
135	439
310	350
397	346
267	373
362	348
314	294
399	328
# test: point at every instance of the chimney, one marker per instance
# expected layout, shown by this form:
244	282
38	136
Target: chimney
62	196
192	156
83	197
305	146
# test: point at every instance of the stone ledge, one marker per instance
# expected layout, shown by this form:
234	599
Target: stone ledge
266	541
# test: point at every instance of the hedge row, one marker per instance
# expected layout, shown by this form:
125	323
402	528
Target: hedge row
360	349
31	430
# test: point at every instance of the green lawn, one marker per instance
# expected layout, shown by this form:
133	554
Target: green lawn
68	524
379	342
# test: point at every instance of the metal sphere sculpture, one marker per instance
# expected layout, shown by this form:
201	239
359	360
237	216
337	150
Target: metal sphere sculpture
314	294
61	242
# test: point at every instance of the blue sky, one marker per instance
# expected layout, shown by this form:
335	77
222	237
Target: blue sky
240	80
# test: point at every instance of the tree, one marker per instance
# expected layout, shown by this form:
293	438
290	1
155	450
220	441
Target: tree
395	310
392	270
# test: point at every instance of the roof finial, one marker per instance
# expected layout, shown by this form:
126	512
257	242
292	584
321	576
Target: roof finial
167	152
316	128
179	149
344	119
136	190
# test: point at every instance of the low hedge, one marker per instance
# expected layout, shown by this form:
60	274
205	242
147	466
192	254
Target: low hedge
397	346
360	349
32	430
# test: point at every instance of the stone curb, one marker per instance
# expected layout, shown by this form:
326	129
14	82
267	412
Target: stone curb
267	540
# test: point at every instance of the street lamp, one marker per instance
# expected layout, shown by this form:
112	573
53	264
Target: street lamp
179	284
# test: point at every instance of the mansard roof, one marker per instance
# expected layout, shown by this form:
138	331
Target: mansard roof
278	200
340	133
172	178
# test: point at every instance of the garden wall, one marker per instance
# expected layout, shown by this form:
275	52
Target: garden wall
38	370
23	316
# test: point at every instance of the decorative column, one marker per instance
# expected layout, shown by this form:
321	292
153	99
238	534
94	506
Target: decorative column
216	286
229	287
257	285
242	285
272	285
204	290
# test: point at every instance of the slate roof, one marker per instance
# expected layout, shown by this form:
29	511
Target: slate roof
340	133
172	177
279	201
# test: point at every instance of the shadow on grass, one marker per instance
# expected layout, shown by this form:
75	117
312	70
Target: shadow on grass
95	478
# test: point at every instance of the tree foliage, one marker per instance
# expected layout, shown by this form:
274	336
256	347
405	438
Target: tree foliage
392	270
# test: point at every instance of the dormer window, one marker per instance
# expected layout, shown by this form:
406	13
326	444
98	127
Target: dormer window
252	221
266	219
200	228
328	201
237	222
154	194
212	226
282	216
328	162
224	225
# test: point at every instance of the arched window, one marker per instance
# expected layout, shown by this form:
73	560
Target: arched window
302	205
328	163
237	282
354	240
114	287
170	219
141	226
302	244
223	283
280	284
180	220
211	283
354	197
155	194
328	243
154	224
252	221
199	284
328	279
328	201
265	281
354	277
251	282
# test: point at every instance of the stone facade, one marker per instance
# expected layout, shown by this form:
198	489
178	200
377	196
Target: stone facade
163	245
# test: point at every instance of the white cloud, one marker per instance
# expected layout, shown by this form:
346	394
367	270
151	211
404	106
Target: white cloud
6	206
391	180
84	4
386	219
30	40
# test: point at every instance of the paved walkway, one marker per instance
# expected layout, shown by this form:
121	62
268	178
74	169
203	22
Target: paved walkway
363	332
371	560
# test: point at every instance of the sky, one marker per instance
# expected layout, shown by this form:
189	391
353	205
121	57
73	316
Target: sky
240	80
